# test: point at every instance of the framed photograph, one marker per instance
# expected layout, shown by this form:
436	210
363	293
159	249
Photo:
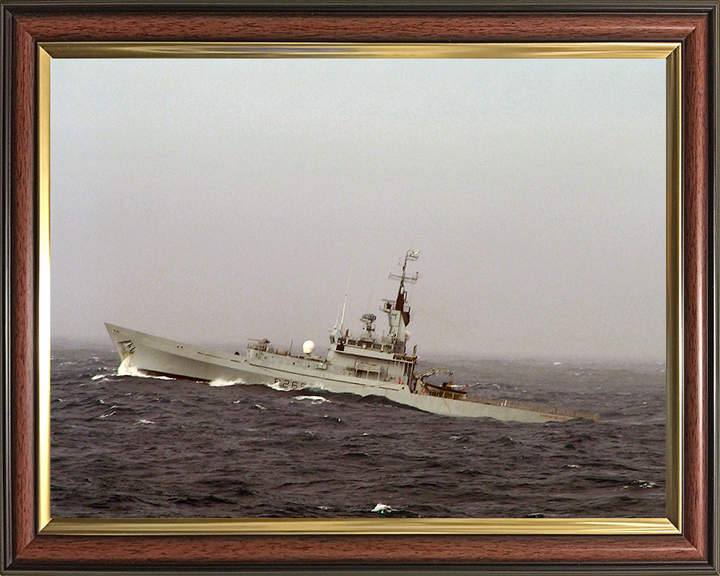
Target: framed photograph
224	187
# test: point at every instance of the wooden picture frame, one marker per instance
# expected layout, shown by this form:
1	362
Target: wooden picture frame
28	547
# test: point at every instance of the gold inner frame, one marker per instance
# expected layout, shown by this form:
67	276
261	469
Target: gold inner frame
674	325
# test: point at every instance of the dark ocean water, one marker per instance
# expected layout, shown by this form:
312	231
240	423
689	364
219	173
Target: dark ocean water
125	446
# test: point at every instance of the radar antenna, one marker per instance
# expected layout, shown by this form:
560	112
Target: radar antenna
403	277
369	320
410	255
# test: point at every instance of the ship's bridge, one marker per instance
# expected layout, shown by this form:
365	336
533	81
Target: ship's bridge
368	344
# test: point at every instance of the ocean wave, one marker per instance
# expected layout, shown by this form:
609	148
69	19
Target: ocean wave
143	422
640	484
221	382
249	452
387	510
126	368
284	388
312	399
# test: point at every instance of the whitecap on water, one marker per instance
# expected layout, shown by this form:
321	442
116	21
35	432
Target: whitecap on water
642	484
383	508
278	386
313	399
143	421
295	386
127	369
219	382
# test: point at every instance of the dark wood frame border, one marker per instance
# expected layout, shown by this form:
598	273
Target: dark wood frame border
693	23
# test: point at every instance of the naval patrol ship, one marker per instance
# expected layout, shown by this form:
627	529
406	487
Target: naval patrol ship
366	364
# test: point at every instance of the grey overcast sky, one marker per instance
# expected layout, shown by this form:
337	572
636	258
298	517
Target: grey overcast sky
222	200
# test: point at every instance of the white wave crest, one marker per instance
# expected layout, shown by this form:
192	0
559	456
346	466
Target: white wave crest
313	399
109	412
286	386
126	368
642	484
220	382
383	508
276	386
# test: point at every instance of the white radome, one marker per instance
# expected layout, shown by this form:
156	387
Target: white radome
308	347
407	335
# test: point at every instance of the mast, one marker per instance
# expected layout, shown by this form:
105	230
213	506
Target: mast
398	312
411	255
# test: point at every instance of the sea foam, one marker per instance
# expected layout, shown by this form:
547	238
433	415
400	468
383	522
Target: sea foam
142	421
313	399
220	382
127	369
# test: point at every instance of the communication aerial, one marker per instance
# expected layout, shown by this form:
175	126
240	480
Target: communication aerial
411	255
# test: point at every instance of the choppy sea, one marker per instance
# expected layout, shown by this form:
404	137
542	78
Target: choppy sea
130	446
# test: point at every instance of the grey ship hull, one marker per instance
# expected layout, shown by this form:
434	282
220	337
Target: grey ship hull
155	355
